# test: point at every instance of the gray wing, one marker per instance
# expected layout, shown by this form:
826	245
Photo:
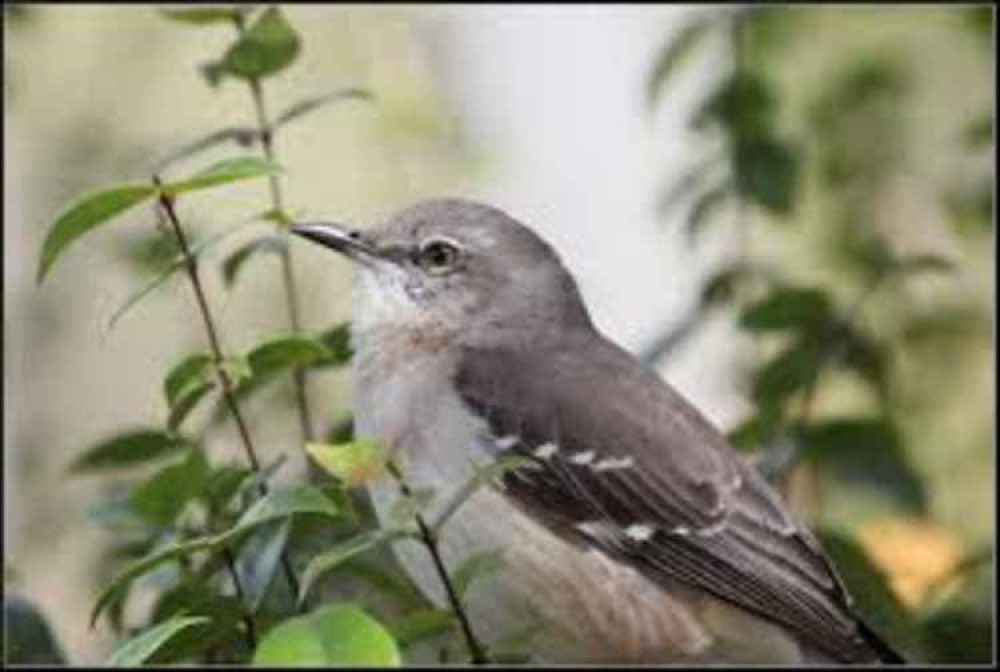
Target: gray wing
622	462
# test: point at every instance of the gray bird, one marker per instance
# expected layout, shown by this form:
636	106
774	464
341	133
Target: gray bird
634	533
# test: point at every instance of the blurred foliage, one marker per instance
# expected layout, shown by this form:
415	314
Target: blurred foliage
818	136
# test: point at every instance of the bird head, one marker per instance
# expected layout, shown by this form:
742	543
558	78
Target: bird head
456	268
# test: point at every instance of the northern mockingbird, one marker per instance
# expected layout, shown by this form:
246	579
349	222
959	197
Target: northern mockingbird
636	534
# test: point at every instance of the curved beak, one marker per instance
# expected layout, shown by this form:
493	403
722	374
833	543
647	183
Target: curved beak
347	241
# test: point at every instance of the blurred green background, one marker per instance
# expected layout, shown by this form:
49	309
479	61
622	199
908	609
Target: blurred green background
696	166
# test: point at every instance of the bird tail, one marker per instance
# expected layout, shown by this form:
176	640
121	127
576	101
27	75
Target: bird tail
885	652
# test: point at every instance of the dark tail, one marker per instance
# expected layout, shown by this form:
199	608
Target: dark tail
885	652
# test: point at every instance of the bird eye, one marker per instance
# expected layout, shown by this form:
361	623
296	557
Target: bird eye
438	256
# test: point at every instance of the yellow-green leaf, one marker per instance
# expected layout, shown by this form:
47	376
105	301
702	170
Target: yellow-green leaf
269	45
223	172
352	463
340	634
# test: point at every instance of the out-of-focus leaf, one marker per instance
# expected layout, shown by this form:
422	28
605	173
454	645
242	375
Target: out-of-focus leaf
353	464
925	263
475	566
224	172
137	296
137	650
721	287
865	455
422	625
337	340
286	352
202	16
344	551
128	449
304	107
274	244
866	357
197	251
223	483
342	431
276	505
385	580
673	54
958	637
480	477
162	497
259	560
767	172
788	308
244	136
704	206
876	603
757	431
148	251
84	216
267	47
339	634
237	367
978	134
28	639
687	183
743	105
791	370
406	507
191	372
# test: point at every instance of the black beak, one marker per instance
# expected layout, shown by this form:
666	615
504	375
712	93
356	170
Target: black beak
348	242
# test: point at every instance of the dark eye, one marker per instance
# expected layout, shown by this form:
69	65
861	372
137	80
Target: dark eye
438	256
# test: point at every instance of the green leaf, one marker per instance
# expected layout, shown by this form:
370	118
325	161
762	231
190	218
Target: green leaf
276	505
191	372
201	16
344	551
224	172
138	649
480	477
128	449
286	352
806	310
340	634
268	46
275	244
925	263
353	463
406	507
163	496
789	371
767	172
864	456
197	598
385	580
223	484
337	340
475	566
673	54
308	105
744	105
722	287
259	560
86	214
422	625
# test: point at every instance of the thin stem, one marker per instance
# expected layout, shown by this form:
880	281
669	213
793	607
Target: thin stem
266	135
248	622
430	541
225	381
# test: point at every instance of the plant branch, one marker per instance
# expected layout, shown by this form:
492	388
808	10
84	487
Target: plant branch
218	358
266	134
430	541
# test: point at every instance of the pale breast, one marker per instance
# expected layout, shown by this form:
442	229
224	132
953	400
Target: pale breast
581	605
